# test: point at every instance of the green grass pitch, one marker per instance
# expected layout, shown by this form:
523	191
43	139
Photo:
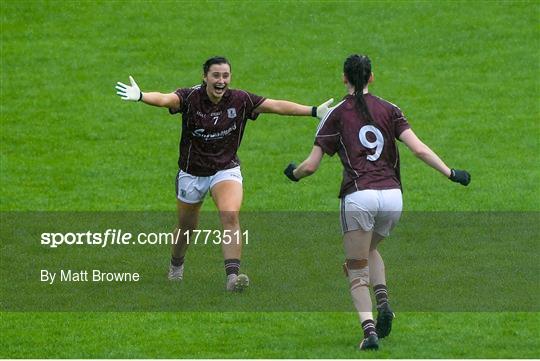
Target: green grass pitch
466	74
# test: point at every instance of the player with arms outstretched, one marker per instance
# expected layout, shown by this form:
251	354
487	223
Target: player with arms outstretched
213	121
363	130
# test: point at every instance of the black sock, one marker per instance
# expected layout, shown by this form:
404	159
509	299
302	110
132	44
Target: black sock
177	261
369	328
381	295
232	266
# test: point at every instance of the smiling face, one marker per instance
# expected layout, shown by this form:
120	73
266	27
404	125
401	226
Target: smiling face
217	80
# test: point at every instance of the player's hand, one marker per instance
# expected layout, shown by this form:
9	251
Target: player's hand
324	108
129	92
289	172
460	176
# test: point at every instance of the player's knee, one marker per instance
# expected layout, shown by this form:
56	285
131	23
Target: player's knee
187	223
229	219
188	219
357	270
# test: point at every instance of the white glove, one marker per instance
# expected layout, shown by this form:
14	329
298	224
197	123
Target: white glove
127	92
324	108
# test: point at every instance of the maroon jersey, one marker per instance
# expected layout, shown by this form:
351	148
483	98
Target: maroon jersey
211	133
367	151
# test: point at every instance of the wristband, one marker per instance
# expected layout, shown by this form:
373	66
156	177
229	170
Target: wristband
292	176
289	172
140	96
314	112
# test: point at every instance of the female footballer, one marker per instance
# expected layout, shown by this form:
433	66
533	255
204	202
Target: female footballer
363	130
213	121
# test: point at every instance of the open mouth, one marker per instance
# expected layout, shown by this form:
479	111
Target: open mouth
219	88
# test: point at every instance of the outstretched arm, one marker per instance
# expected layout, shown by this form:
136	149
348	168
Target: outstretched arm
284	107
307	167
423	152
133	93
169	100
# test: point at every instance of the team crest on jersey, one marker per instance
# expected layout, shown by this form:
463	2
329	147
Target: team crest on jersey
231	113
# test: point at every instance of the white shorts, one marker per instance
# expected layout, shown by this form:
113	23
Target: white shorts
371	210
193	189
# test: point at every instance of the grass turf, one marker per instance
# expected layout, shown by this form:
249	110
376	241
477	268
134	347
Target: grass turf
466	75
265	335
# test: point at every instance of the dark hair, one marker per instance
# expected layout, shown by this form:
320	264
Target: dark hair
214	60
357	69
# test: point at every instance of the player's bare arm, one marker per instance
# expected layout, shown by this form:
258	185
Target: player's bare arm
307	167
284	107
423	152
170	100
132	92
310	164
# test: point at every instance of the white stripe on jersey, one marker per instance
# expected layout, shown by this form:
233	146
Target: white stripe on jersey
245	92
242	124
328	135
188	155
397	153
321	123
385	101
251	101
349	160
195	87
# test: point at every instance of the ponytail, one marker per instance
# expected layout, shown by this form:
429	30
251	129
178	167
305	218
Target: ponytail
357	69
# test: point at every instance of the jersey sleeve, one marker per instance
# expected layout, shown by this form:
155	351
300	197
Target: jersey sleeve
252	102
400	122
328	134
183	94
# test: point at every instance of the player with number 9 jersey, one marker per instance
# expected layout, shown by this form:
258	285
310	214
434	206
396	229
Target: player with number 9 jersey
363	130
